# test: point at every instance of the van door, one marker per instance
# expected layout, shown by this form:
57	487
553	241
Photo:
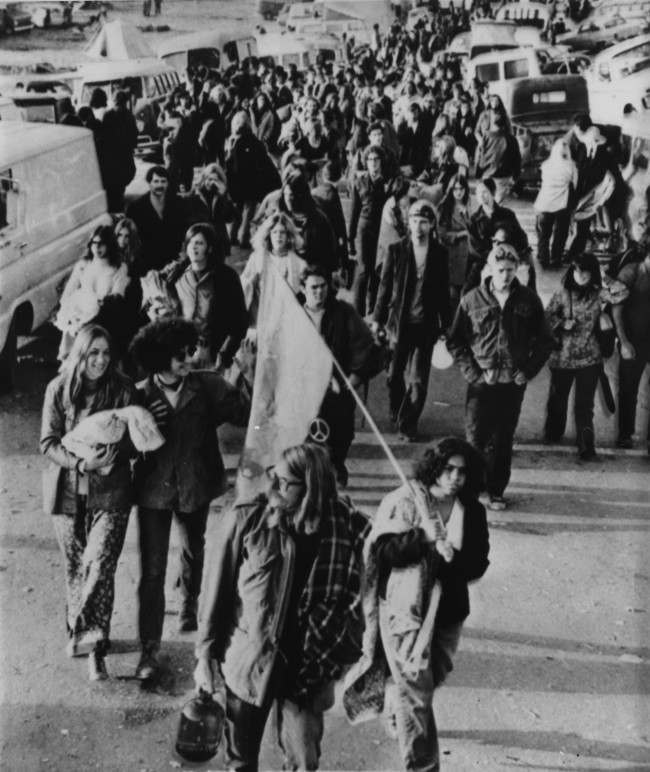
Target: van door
13	244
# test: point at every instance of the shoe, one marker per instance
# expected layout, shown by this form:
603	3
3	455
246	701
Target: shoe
497	503
147	666
97	666
187	622
625	442
588	455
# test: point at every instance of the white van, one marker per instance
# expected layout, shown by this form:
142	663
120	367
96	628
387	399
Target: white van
280	48
51	200
620	75
215	50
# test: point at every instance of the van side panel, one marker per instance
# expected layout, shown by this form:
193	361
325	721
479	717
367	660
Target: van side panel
60	203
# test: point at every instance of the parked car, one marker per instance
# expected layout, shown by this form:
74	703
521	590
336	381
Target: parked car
51	200
596	34
41	107
541	110
14	20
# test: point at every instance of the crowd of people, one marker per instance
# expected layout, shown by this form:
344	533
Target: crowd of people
261	157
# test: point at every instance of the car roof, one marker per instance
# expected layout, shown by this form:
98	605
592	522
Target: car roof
618	48
21	139
102	71
204	39
505	53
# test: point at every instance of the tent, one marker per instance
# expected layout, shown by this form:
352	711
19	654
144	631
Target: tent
117	41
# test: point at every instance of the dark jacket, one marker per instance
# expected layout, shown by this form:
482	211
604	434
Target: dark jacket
327	198
468	564
482	228
187	472
120	137
250	172
397	284
480	324
161	238
368	199
349	339
112	492
215	303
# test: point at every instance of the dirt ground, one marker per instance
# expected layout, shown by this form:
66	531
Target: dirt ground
553	670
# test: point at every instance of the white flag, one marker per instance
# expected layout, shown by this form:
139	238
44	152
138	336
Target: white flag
293	370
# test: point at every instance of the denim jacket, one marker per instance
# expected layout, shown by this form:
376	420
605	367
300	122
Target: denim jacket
481	326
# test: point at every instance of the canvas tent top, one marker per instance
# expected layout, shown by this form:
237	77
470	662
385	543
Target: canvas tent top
118	41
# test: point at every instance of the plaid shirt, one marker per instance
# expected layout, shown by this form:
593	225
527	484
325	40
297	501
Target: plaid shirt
332	594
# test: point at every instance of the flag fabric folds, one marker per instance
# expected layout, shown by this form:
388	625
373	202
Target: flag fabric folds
292	373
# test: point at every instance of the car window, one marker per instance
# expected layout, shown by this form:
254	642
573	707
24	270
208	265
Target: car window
7	212
516	68
487	72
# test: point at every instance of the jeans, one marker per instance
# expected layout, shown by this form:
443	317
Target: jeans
366	281
410	697
154	527
491	417
408	376
555	224
630	372
300	730
586	380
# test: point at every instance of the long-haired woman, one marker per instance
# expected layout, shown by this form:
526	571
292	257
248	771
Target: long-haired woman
100	273
428	540
574	315
89	499
276	241
455	214
282	620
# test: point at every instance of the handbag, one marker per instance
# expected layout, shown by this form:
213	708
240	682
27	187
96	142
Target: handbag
605	334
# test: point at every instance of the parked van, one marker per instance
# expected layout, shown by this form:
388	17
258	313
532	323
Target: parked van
51	199
499	67
214	50
278	48
620	75
149	82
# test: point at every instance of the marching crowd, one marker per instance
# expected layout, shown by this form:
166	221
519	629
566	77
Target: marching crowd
299	587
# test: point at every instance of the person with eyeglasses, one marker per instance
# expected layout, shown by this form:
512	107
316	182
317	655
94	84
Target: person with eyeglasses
101	273
280	616
179	480
429	539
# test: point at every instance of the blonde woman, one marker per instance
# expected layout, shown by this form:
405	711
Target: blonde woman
277	241
89	499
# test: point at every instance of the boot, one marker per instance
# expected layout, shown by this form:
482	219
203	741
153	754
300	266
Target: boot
187	621
148	665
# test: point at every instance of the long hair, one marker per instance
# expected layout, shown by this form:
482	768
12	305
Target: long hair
106	235
312	464
215	252
112	385
262	238
431	465
135	245
448	202
584	262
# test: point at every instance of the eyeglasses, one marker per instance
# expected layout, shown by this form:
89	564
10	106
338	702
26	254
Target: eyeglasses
281	482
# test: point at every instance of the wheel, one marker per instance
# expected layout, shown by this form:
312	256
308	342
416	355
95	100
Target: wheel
8	359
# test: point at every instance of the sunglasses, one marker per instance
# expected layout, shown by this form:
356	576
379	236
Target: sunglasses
185	353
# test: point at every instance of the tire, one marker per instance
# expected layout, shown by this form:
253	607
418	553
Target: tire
8	359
